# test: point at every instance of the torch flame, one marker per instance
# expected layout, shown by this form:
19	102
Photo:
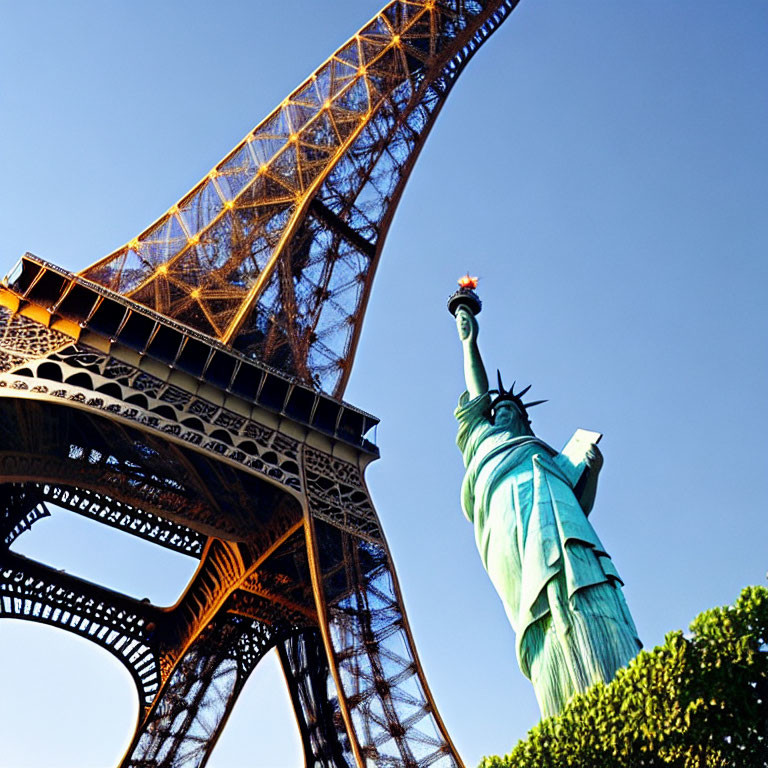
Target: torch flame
468	282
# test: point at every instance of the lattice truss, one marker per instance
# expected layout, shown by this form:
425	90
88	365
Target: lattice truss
389	705
315	700
274	251
200	693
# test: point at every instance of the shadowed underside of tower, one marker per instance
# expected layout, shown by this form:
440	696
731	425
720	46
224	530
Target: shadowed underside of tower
185	390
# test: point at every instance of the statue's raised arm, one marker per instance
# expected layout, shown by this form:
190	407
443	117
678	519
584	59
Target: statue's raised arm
474	370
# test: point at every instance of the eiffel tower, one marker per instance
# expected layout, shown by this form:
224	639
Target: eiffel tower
186	389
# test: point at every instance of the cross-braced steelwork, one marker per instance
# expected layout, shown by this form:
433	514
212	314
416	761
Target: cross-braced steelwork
185	390
274	251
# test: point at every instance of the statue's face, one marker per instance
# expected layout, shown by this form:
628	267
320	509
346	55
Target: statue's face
507	415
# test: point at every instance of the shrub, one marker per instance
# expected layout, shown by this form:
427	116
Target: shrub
695	702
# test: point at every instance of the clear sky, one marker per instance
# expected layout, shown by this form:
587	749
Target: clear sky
602	166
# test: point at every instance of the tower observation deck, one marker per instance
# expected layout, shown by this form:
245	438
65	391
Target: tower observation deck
187	389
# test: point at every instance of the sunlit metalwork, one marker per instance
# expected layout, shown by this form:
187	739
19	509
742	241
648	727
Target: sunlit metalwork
275	250
185	390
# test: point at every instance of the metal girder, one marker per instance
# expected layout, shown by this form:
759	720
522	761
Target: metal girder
321	725
119	624
190	712
23	504
384	695
123	517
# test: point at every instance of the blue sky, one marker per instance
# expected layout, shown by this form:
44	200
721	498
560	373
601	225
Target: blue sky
602	166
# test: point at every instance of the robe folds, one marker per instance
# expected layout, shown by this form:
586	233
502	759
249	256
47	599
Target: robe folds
560	589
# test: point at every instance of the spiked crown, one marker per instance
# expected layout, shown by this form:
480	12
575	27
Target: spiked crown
504	395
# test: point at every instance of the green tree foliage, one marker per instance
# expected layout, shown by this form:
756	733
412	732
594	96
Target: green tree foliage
695	702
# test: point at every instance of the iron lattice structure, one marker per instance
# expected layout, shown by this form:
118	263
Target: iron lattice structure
185	389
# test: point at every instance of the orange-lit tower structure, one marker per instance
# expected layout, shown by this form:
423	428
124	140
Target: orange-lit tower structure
186	389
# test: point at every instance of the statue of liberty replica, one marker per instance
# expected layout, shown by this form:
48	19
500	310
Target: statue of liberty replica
529	506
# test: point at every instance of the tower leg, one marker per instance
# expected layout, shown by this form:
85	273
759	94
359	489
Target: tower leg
383	694
323	734
189	714
389	707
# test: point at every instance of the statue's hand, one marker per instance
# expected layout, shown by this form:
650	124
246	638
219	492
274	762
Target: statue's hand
466	325
594	458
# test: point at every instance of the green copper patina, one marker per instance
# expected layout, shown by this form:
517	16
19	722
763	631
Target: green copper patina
529	506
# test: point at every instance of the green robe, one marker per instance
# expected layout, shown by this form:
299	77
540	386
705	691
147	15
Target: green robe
559	587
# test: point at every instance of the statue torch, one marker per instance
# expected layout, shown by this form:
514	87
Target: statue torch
465	296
